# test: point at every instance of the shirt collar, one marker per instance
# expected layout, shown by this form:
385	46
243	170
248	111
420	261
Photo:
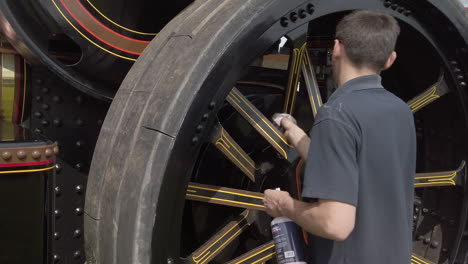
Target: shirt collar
360	83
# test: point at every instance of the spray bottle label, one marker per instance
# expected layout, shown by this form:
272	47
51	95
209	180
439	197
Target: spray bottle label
288	242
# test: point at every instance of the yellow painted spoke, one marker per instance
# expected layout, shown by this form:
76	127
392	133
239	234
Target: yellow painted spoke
220	240
430	95
446	178
226	144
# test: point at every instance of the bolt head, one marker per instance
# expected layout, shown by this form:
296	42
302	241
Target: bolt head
79	189
78	211
284	22
77	233
310	9
21	154
6	155
293	16
58	191
36	154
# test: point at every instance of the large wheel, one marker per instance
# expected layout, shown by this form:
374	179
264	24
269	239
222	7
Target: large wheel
177	129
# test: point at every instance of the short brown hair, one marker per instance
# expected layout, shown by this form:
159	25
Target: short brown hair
369	38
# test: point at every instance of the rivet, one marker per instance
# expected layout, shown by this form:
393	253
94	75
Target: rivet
427	240
454	62
45	106
79	122
77	254
57	122
463	84
460	77
194	140
434	244
79	143
199	128
78	166
456	70
77	233
21	154
284	22
420	237
37	114
45	123
56	258
38	98
212	105
394	6
205	117
79	189
79	99
36	154
302	13
56	235
58	191
387	3
293	16
407	13
48	152
78	211
39	81
38	130
310	8
170	261
444	250
57	99
425	210
57	213
400	9
56	150
415	217
6	155
58	168
45	90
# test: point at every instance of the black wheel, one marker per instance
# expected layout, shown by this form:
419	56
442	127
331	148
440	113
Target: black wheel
183	156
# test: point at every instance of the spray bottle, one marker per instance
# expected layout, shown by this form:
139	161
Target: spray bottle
287	237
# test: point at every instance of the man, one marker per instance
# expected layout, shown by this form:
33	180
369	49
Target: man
361	156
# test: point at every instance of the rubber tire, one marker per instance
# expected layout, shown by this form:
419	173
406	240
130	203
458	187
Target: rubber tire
145	150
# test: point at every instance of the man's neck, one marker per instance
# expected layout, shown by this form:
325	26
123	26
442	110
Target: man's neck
349	72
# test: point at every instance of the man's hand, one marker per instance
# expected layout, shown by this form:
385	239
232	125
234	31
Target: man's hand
292	132
277	203
296	136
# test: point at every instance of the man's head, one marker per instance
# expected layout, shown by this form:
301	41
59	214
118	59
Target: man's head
366	40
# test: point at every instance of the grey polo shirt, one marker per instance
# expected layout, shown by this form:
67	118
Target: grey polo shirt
363	153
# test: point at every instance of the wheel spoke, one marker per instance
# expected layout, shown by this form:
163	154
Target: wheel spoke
258	121
257	255
301	63
310	80
446	178
430	95
225	196
226	144
211	248
293	80
415	259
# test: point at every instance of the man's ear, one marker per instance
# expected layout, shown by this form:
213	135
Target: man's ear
337	49
390	61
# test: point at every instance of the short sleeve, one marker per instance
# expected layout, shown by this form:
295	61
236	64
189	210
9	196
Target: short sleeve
332	171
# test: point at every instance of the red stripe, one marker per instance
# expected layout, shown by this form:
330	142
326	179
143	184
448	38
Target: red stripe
20	164
108	29
92	33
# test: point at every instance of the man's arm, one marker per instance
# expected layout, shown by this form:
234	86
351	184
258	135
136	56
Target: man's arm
326	218
296	137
